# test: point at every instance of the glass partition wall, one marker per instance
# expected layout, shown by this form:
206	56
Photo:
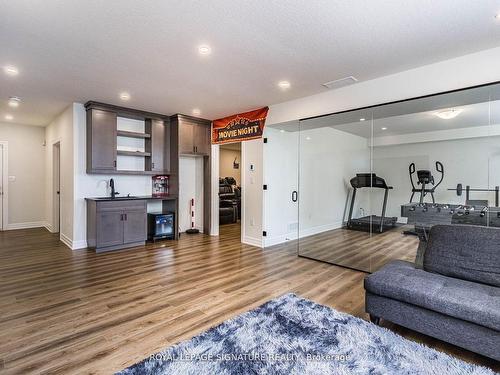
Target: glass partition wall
372	182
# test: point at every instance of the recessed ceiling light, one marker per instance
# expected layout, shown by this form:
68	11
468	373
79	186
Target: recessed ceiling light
14	101
282	131
284	85
497	16
11	70
9	117
204	49
196	112
448	114
308	138
125	96
362	119
384	128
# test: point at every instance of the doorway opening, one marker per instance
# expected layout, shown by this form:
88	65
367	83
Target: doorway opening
56	187
3	186
230	207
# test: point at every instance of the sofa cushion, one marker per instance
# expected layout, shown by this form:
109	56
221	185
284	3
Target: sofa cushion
465	252
461	299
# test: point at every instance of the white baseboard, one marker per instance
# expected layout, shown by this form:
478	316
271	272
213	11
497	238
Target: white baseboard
320	229
276	240
252	241
27	225
79	245
49	227
65	240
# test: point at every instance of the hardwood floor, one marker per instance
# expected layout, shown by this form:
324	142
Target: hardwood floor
70	312
360	250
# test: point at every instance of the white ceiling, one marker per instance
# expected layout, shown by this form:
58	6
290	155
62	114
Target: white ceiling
92	49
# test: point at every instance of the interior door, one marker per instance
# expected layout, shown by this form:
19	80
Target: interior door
281	185
1	188
56	160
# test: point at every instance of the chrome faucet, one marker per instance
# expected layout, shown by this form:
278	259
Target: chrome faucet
112	187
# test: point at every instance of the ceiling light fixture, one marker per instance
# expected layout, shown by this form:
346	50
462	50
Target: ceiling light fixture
308	138
204	49
14	101
9	117
196	112
125	96
497	16
448	114
384	128
282	131
11	70
362	119
284	85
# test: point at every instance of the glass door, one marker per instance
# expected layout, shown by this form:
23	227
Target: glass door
336	214
281	196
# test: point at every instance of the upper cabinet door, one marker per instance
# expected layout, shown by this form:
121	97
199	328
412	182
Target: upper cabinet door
186	134
101	140
202	139
159	149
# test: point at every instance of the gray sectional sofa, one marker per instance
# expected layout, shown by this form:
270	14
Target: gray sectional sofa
455	297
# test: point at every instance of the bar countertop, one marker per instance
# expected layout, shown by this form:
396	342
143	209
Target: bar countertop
132	198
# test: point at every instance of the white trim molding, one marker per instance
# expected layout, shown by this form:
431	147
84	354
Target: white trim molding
5	184
77	245
27	225
252	241
66	240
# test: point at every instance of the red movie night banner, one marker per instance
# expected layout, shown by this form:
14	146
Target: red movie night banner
240	127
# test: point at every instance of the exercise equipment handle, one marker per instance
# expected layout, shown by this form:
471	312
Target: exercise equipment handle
411	170
440	169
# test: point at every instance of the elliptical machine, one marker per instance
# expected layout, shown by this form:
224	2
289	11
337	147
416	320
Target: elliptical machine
425	178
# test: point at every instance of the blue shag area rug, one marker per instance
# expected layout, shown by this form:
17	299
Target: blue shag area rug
292	335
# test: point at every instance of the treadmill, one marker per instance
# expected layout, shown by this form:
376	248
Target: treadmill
373	223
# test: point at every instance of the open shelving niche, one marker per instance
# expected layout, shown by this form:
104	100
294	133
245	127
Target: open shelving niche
131	145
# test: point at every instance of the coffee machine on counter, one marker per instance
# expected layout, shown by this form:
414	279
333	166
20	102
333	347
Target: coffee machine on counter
160	186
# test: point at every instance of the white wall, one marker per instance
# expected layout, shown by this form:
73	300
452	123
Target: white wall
328	159
226	160
251	192
465	71
26	168
190	186
61	130
474	162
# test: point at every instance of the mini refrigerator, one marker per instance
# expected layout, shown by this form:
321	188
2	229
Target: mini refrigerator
161	226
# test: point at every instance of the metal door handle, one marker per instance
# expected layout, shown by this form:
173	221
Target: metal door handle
295	195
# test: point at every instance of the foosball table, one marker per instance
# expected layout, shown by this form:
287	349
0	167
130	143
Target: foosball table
424	215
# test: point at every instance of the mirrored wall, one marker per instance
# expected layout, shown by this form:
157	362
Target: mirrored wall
372	182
